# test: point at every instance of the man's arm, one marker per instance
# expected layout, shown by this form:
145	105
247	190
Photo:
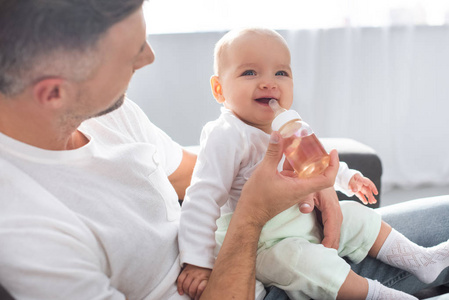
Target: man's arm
234	272
180	179
264	195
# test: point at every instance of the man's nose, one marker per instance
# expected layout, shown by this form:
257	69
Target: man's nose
146	57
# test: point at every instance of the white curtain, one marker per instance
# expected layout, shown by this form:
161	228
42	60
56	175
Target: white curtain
386	87
171	16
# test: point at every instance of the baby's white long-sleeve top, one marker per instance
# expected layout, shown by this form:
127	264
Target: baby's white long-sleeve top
229	152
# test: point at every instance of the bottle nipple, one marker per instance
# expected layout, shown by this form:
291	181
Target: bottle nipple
281	115
276	107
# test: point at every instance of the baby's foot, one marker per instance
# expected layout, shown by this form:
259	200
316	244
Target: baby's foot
377	291
433	263
425	263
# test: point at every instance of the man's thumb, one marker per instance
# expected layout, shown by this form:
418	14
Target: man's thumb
274	151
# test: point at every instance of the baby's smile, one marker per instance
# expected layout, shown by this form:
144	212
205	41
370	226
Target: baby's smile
263	100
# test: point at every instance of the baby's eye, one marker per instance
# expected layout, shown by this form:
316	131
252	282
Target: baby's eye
249	73
281	73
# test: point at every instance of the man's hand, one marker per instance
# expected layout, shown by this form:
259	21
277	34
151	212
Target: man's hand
193	281
330	215
273	192
363	188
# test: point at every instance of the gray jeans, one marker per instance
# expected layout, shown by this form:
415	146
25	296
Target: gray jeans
425	222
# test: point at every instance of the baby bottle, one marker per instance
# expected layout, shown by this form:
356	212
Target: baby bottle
302	148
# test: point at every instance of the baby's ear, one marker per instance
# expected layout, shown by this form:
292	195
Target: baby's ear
217	89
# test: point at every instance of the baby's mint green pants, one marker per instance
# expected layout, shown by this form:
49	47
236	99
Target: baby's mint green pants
291	257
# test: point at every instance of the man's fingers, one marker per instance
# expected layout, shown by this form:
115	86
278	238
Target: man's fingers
331	240
334	160
274	151
331	229
289	173
327	178
306	206
332	169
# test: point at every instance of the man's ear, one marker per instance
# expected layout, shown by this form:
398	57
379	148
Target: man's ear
217	89
49	92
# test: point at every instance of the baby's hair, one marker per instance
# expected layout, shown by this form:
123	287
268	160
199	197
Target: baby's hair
228	38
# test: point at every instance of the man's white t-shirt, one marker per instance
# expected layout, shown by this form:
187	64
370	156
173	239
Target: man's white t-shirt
98	222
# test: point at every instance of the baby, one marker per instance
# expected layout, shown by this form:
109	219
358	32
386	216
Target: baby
252	66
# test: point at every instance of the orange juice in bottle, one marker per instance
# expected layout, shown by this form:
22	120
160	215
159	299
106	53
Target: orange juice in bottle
302	148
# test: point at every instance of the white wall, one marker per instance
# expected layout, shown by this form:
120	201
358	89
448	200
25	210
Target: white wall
386	87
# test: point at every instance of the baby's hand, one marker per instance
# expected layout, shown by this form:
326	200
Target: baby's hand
193	280
363	188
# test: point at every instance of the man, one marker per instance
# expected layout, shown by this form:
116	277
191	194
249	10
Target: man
89	186
87	182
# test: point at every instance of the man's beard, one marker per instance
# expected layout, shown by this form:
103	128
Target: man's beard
113	107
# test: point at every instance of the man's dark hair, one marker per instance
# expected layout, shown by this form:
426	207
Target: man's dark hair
31	31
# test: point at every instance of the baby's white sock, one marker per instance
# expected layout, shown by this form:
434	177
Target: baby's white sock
425	263
377	291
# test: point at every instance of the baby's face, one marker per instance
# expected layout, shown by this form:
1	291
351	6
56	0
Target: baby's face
256	68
